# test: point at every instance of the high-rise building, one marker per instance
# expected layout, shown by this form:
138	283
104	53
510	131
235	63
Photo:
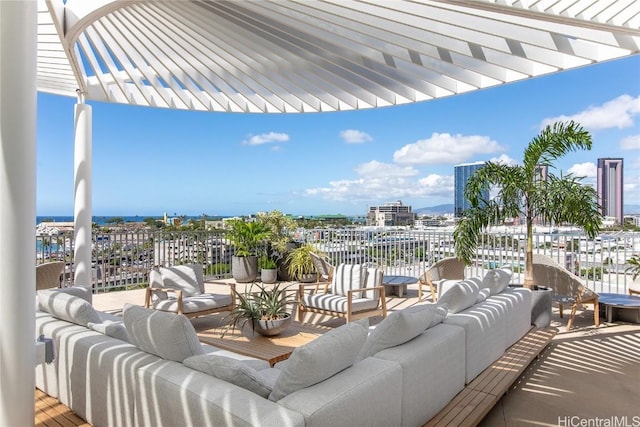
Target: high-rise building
610	187
462	173
393	213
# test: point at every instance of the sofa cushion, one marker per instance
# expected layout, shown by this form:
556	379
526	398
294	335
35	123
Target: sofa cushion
460	296
483	294
320	359
402	326
497	280
243	373
166	335
183	277
348	277
65	305
113	329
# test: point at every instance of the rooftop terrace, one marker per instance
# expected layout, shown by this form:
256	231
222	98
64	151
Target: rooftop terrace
589	372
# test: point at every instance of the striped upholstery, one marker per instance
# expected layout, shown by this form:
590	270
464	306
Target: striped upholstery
348	277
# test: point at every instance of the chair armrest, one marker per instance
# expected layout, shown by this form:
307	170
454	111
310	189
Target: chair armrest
150	291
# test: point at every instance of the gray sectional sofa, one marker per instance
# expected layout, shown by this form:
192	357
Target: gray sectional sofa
148	369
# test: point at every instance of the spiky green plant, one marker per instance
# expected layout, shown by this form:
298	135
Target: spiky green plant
521	192
266	303
247	236
634	266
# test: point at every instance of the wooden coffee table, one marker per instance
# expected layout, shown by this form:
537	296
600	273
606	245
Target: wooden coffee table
272	349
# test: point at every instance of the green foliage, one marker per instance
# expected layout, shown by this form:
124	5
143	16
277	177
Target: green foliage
281	227
521	192
217	269
634	266
299	261
264	304
114	220
247	236
267	263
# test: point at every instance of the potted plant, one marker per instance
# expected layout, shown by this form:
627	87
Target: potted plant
268	269
265	308
280	241
300	264
246	237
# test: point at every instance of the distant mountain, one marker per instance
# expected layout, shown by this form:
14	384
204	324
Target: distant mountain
448	208
435	210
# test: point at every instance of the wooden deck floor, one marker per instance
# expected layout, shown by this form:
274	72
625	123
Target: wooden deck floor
51	413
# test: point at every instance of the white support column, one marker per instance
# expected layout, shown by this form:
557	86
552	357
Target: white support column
18	91
82	195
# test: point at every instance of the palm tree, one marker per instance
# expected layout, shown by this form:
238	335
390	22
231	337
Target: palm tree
634	266
521	191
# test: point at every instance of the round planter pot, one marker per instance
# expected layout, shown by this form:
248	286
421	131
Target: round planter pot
244	269
268	275
270	328
309	278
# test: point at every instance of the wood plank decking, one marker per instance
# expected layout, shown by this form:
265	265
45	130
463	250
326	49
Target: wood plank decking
473	403
51	413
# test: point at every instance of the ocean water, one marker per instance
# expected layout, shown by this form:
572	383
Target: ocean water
100	220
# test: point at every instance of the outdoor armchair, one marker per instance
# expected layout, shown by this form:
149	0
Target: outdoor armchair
568	289
324	269
446	269
49	275
180	289
356	292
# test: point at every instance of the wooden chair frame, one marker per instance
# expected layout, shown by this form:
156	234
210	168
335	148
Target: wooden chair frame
349	315
445	269
178	293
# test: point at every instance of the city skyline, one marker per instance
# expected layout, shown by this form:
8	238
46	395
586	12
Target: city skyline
148	161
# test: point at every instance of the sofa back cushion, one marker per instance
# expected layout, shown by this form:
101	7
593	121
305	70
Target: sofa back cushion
243	373
66	305
348	277
402	326
460	296
497	280
320	359
188	278
167	335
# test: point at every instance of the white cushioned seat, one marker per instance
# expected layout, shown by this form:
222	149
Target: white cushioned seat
194	304
516	303
484	326
433	371
338	303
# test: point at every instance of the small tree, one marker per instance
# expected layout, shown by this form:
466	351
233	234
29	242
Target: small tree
521	191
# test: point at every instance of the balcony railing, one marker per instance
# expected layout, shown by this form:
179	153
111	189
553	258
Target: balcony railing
122	259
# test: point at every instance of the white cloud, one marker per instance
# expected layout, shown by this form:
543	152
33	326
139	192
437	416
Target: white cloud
352	136
616	113
631	142
382	181
444	148
632	190
266	138
504	159
587	170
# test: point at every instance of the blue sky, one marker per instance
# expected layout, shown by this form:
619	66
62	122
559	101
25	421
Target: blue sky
148	161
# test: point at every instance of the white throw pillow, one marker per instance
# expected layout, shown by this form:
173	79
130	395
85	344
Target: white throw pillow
167	335
238	372
182	277
66	306
320	359
110	328
460	296
483	295
497	280
402	326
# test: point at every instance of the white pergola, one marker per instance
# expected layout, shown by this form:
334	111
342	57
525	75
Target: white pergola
249	56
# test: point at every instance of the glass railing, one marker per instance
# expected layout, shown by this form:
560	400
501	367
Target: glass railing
122	259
